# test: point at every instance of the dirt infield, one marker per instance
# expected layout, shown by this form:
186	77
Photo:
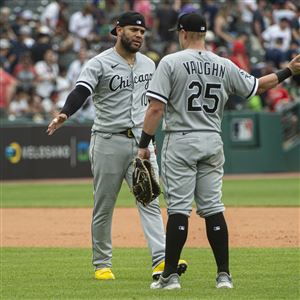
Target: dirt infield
70	227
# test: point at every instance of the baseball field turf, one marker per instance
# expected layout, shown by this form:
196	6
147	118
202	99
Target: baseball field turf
66	273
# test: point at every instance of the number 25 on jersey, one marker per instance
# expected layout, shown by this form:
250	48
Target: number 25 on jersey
208	94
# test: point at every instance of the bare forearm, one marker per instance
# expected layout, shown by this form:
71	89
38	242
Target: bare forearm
266	82
152	120
153	116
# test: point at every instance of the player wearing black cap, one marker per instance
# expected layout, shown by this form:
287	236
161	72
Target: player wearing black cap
189	90
117	79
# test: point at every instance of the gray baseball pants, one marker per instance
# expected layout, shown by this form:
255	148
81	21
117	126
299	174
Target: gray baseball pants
111	157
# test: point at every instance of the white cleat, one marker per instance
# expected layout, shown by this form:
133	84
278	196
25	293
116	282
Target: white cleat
169	283
224	281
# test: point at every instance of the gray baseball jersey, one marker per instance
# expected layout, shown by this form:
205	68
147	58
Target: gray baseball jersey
196	85
119	96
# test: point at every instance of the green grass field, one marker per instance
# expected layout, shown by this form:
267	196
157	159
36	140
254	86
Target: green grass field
67	274
246	192
52	273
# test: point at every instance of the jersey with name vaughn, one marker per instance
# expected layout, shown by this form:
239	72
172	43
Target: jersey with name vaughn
195	85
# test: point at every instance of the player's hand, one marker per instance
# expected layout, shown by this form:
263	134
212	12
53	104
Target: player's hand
294	65
56	123
144	153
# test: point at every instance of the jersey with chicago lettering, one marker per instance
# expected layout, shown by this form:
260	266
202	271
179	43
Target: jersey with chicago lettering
118	91
195	85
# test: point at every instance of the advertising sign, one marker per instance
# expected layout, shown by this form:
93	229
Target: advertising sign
29	152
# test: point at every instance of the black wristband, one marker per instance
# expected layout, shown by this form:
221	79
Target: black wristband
283	74
145	140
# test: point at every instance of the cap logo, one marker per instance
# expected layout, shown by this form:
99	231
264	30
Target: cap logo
202	28
139	22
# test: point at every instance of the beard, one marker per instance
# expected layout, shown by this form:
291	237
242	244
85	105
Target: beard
126	43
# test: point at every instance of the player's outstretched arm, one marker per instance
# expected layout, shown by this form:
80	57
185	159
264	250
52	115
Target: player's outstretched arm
56	123
271	80
74	101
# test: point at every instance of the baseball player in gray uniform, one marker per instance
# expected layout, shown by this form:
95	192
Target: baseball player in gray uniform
190	89
117	79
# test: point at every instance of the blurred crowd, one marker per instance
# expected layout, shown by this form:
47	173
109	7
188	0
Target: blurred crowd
42	52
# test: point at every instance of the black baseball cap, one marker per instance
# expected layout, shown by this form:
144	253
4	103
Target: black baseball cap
129	18
190	22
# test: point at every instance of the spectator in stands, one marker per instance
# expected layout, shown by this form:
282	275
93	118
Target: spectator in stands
76	66
295	25
24	18
239	53
25	72
22	45
258	22
165	18
25	33
53	14
63	87
246	9
278	99
6	58
101	23
144	8
281	38
277	32
187	6
276	54
35	108
50	106
210	10
6	31
63	43
221	28
19	104
42	44
81	25
283	9
8	86
47	71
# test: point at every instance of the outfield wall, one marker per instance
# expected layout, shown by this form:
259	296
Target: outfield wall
253	143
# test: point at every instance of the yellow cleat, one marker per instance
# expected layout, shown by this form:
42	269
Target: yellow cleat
181	268
104	274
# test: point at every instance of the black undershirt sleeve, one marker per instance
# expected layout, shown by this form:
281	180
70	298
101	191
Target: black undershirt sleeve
75	100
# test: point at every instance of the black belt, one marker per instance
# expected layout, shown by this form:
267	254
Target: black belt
128	132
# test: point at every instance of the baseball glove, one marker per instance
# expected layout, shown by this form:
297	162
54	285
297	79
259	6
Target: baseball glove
144	185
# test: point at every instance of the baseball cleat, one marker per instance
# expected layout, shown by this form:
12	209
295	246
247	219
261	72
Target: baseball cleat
157	271
224	280
169	283
104	274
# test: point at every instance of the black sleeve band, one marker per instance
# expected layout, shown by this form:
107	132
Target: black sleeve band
75	100
283	74
145	140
